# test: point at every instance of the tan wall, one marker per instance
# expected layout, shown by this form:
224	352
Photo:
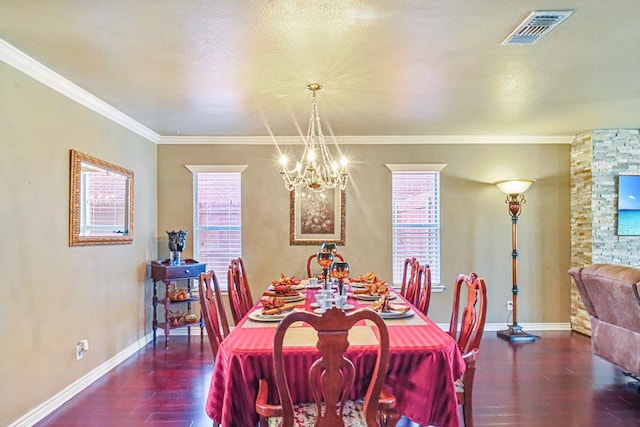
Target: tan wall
476	228
54	295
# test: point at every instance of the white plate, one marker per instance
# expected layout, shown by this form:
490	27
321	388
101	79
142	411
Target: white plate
293	287
259	317
367	297
396	314
292	298
308	285
359	285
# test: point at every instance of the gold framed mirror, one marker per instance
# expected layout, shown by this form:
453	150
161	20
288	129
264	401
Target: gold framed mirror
100	202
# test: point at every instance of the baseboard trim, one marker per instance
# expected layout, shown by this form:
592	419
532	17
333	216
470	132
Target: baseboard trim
531	326
492	327
41	411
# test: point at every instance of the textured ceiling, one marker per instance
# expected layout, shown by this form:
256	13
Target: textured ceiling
240	68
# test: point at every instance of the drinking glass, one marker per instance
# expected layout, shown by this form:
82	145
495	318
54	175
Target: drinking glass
340	271
325	259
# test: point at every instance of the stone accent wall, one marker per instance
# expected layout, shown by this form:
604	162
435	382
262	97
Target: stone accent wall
597	159
615	152
581	217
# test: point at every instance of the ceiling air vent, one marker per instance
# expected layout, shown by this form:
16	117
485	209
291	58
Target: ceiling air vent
536	25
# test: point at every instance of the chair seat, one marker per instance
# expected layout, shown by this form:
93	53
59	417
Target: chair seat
305	415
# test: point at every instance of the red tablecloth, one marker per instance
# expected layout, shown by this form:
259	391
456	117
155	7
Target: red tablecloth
423	365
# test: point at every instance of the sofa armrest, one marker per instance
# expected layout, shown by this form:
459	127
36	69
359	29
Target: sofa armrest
610	293
576	273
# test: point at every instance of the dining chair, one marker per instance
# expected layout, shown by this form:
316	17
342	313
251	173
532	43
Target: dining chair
311	261
212	308
331	377
424	283
239	292
410	287
468	337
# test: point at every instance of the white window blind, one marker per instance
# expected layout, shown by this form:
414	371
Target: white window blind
416	220
217	220
104	196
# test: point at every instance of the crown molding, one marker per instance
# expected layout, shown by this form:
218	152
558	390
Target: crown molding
370	140
34	69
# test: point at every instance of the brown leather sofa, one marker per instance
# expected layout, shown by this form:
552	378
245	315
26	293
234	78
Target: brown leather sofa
611	296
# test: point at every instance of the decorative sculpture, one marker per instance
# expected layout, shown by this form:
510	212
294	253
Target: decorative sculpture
176	245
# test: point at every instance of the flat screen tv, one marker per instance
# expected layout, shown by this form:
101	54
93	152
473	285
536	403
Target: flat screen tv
629	205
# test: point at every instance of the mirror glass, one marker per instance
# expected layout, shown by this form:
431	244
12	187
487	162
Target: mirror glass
101	202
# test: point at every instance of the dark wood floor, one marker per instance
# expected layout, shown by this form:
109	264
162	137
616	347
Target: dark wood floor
553	382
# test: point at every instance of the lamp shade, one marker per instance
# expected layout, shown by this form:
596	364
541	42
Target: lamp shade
516	186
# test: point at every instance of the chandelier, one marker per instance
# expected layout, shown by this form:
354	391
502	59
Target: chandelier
316	169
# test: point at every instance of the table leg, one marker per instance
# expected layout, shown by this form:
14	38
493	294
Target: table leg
167	327
155	311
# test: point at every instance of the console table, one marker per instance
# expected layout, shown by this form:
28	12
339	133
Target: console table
164	271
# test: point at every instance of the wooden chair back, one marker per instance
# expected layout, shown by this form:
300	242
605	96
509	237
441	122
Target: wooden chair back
424	283
410	287
311	261
332	376
472	315
472	321
212	308
239	291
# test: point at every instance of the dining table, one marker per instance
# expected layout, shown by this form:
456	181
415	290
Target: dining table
424	363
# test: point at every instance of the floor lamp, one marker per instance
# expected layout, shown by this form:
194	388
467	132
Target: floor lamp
515	199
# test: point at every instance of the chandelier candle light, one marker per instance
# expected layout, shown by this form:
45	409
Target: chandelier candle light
316	169
515	199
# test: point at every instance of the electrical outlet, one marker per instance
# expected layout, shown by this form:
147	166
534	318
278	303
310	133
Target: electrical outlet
79	351
81	348
509	305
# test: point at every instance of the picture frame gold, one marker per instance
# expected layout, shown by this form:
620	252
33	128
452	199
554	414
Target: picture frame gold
79	235
315	218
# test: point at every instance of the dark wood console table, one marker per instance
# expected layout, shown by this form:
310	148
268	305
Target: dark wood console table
164	271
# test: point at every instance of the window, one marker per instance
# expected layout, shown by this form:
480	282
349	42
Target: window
217	217
416	217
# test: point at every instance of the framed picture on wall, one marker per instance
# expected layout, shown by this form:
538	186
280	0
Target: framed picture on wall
317	217
629	205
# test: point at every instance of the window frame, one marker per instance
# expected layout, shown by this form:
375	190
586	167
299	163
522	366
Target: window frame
198	169
422	168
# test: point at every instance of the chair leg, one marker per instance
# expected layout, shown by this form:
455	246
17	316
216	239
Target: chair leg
388	417
467	414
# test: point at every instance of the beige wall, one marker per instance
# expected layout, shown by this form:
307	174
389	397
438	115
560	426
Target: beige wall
54	295
476	228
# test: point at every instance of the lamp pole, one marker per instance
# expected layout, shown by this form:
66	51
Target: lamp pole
515	200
